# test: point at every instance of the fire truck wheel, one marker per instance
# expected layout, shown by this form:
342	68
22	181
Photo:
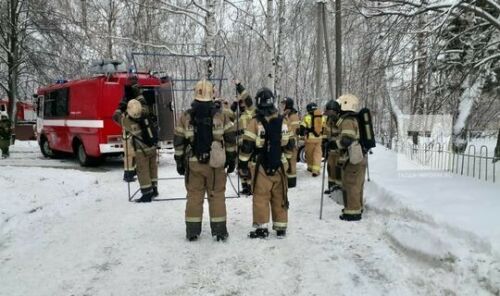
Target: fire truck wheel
83	158
301	154
45	148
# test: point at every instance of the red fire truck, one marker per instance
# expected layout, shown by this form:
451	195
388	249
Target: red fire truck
76	116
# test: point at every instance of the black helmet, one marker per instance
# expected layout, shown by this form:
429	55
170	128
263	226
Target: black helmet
264	98
333	106
311	107
288	102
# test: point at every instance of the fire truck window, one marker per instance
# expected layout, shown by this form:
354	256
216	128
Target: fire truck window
56	103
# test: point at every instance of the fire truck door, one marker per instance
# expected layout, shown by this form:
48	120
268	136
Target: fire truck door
164	101
40	112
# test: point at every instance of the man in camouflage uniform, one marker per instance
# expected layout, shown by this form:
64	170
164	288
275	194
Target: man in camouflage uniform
353	172
266	140
247	112
5	134
204	133
331	134
313	139
293	120
132	91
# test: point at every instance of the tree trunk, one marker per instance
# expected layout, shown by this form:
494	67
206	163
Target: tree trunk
210	33
279	52
269	59
13	58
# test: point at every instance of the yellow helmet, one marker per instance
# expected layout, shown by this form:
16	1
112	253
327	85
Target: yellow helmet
134	108
348	102
204	91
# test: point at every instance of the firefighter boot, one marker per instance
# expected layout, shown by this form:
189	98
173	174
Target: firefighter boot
147	195
259	233
193	230
281	233
219	230
129	176
332	187
155	189
292	182
350	217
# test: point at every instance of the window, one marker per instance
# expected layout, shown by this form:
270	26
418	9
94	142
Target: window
56	103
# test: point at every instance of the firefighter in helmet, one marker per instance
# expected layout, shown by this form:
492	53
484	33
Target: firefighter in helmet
138	125
205	144
5	134
132	91
331	133
312	129
247	112
352	158
267	141
293	120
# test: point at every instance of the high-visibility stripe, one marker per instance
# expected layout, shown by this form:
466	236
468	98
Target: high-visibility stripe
189	133
352	212
179	152
230	149
179	129
145	186
228	126
244	157
280	224
352	133
74	123
250	135
295	123
193	219
217	219
291	175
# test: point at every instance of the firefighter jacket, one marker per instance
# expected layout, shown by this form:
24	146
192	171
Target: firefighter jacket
229	113
5	129
293	120
254	138
223	131
307	125
331	131
134	128
348	128
243	121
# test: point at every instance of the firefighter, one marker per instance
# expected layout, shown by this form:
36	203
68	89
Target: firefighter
5	134
227	110
247	112
132	91
352	158
312	129
293	120
267	141
331	134
139	128
205	144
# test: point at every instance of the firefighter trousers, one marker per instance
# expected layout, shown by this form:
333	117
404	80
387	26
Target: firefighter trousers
313	156
292	169
129	154
201	179
353	180
147	167
270	196
4	146
334	173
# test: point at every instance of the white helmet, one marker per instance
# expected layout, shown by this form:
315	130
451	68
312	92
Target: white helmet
348	102
204	91
3	114
134	108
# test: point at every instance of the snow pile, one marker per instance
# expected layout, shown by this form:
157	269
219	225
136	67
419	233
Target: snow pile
72	232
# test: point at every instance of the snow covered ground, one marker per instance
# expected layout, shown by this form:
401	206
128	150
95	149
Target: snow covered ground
67	231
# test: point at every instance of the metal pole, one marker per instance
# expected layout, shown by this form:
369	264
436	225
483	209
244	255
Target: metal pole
322	188
367	167
327	51
338	49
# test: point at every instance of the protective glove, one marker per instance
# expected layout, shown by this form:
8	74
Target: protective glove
243	170
333	145
181	169
230	162
117	116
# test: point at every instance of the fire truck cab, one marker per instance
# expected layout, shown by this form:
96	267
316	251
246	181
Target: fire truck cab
76	116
